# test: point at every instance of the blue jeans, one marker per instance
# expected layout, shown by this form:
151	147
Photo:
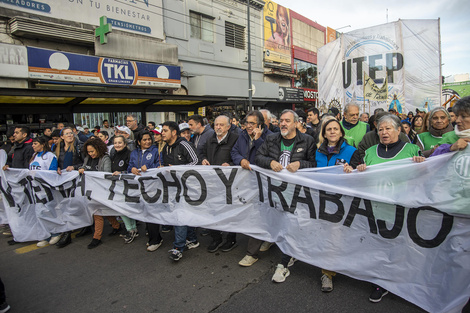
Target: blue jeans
181	234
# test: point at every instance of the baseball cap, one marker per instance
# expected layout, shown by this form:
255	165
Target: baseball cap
183	126
158	130
85	127
124	129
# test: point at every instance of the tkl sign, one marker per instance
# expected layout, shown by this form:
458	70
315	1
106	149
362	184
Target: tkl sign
114	71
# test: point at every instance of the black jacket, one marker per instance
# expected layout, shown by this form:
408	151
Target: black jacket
303	150
77	157
181	152
200	140
218	153
120	160
22	154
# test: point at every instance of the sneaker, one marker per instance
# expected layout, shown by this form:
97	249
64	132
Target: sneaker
130	236
326	283
4	307
291	262
248	260
154	247
265	246
205	232
280	274
55	239
94	243
228	246
42	243
214	246
7	231
115	231
377	294
192	244
175	254
166	228
65	240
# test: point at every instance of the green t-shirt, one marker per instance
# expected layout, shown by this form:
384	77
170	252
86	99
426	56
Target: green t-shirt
409	150
429	141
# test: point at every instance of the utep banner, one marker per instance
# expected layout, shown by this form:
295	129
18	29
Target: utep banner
402	225
406	52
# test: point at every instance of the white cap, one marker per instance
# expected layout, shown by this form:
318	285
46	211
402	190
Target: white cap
183	126
124	129
85	127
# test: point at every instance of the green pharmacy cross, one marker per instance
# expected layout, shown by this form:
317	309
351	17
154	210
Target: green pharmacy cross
103	29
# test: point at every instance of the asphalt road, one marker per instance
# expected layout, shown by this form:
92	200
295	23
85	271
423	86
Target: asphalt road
118	277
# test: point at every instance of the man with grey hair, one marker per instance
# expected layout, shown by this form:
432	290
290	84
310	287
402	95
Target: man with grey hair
217	151
267	120
134	126
289	149
353	128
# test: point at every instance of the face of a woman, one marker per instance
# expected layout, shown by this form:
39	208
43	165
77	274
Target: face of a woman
419	121
37	147
92	152
463	121
387	133
102	137
67	136
146	142
333	133
119	144
406	128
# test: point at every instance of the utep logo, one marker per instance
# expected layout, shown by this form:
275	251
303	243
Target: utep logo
462	166
115	71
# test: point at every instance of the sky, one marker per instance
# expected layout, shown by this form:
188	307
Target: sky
453	14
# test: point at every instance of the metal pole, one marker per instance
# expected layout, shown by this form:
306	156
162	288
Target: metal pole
250	90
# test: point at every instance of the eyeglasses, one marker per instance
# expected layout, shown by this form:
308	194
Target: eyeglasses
250	124
129	121
68	134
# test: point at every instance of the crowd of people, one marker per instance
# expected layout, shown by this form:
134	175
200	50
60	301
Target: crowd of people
297	140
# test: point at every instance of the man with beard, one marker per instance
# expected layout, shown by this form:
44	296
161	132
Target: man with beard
217	152
291	150
178	151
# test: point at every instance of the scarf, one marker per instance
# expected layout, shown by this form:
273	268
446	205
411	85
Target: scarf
464	134
440	132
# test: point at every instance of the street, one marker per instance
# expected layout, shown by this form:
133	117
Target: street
118	277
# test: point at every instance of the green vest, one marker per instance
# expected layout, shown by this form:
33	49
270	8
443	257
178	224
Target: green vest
409	150
429	141
449	137
354	135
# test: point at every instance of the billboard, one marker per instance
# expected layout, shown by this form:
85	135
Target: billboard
277	33
70	67
141	17
404	55
330	34
13	61
460	89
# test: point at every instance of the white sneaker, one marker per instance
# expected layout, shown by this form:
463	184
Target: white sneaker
280	274
248	260
55	239
291	262
152	248
326	283
265	246
42	243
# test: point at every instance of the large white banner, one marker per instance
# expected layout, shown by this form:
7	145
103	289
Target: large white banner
407	52
401	225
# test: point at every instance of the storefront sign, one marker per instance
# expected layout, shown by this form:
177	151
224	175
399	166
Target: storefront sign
310	95
287	94
70	67
142	17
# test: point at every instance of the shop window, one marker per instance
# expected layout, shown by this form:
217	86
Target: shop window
234	36
202	26
307	76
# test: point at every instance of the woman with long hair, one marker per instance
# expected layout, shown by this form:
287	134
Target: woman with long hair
418	124
97	159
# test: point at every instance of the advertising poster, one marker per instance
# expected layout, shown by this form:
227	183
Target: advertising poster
330	34
277	33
